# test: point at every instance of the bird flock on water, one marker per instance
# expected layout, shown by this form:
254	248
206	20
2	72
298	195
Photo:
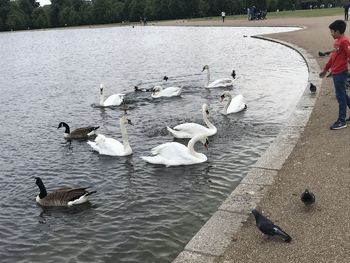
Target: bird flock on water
168	154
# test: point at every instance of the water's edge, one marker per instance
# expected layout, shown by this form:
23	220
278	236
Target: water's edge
214	237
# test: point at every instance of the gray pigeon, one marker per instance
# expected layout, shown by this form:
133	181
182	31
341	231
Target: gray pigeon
267	227
307	197
312	88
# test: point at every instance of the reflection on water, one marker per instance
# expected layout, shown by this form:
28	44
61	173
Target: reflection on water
141	212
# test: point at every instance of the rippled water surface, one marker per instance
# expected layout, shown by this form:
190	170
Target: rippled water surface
141	212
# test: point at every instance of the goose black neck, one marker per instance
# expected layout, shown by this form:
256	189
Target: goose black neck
42	188
66	126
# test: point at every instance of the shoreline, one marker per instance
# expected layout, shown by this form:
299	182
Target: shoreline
309	154
212	240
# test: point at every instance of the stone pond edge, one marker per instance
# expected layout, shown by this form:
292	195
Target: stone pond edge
214	237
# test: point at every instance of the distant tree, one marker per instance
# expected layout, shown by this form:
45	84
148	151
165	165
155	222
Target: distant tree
136	8
40	18
16	18
4	10
68	16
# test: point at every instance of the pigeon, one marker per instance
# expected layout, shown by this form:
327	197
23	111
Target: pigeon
312	88
267	227
307	197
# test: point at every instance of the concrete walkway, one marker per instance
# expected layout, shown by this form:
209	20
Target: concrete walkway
320	161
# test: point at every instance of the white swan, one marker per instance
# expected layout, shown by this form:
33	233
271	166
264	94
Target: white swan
113	100
233	105
158	92
174	153
109	146
188	130
219	83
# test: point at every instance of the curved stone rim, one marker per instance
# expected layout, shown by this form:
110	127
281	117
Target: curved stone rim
217	233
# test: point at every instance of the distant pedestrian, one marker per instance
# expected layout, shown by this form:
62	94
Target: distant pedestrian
252	12
338	66
248	13
346	6
223	14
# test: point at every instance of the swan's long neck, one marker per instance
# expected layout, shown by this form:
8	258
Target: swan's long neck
206	120
102	97
191	144
124	134
208	77
227	103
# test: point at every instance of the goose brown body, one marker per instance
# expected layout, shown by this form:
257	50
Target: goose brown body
83	133
61	197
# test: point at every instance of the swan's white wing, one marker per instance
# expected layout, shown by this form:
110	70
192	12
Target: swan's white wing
169	92
237	104
224	82
188	130
108	146
94	146
114	100
170	154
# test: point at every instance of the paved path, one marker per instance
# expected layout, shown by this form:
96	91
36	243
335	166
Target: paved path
320	161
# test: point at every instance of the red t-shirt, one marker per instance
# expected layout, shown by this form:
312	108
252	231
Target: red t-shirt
338	62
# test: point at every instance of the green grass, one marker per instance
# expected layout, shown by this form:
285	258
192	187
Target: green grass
287	14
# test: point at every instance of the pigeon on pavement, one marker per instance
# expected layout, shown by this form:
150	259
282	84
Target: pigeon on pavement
307	197
312	88
267	227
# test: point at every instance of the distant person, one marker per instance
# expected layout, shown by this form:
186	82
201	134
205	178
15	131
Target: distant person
223	14
252	12
293	7
346	10
338	66
248	13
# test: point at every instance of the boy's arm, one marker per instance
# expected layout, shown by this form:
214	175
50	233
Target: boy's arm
326	68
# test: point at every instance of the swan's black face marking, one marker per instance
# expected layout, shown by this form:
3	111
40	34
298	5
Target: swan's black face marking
207	111
206	143
101	91
222	97
129	122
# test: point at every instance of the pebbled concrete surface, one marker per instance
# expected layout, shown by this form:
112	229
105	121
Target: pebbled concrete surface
320	161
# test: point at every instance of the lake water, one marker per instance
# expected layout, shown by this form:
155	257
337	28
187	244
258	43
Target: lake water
141	212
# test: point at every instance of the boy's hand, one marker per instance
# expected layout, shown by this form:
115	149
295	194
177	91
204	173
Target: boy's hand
323	73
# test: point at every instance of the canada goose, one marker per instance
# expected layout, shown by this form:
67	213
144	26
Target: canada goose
78	134
61	197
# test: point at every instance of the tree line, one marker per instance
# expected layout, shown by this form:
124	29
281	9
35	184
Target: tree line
28	14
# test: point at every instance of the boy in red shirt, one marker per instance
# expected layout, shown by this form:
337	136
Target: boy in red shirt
338	66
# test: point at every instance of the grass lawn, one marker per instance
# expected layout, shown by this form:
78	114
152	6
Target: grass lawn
285	14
